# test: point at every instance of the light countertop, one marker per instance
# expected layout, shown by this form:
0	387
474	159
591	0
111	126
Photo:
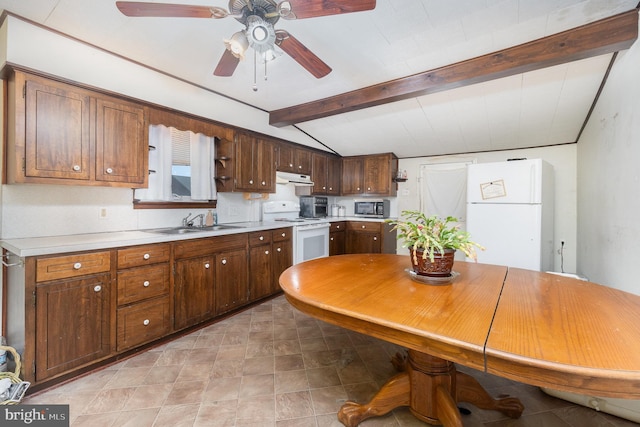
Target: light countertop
34	246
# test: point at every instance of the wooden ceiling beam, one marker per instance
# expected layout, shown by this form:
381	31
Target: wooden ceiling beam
598	38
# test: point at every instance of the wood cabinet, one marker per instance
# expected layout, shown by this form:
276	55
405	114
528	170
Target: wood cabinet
325	174
210	277
293	159
144	309
231	285
63	134
255	167
369	237
270	253
72	313
337	238
370	175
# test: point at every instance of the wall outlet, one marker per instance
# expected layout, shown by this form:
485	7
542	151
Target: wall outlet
103	213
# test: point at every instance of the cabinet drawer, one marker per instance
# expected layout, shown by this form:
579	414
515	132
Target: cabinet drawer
282	234
143	322
338	226
141	283
260	238
209	245
143	255
60	267
373	227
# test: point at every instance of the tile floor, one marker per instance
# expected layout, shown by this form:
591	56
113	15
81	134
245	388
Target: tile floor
272	366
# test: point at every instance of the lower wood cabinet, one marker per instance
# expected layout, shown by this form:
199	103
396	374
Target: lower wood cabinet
73	324
270	253
70	312
369	237
337	237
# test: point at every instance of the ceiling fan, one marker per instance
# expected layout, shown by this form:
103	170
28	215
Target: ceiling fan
258	18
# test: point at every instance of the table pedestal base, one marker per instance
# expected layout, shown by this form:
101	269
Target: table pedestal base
430	387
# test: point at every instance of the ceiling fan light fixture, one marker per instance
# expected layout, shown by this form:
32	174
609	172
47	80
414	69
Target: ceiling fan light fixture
237	45
260	33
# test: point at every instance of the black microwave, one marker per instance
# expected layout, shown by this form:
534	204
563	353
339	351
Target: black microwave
373	208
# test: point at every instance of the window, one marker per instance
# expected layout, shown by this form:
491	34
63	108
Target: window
181	167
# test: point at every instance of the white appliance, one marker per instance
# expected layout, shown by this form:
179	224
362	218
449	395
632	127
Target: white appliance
510	212
310	235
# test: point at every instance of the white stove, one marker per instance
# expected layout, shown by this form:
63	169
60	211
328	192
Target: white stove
310	235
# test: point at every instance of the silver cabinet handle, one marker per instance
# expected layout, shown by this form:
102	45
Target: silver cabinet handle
146	256
206	265
146	322
76	168
77	266
146	284
109	170
97	288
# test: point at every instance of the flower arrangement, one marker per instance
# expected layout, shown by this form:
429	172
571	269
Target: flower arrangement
432	233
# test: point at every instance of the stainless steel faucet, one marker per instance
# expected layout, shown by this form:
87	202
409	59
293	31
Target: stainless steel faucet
188	222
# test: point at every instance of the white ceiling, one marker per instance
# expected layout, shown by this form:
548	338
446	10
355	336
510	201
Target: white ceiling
396	39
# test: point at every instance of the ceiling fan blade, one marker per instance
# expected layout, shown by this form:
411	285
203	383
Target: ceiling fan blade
227	65
134	8
301	9
301	54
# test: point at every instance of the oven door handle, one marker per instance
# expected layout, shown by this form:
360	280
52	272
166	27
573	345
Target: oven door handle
313	226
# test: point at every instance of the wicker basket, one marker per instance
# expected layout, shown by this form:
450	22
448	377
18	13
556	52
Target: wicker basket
14	377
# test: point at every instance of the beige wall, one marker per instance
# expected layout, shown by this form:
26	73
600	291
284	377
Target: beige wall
609	181
563	160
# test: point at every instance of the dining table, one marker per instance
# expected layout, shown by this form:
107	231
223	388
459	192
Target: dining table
534	327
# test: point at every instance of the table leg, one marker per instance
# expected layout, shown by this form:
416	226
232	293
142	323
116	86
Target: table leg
430	386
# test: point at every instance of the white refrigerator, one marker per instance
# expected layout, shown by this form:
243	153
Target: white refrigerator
510	212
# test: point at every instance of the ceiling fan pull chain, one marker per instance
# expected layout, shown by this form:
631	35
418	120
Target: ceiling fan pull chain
265	70
255	72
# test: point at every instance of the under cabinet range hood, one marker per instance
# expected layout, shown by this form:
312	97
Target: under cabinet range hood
293	178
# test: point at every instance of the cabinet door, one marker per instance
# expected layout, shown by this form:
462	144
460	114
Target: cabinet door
244	162
358	242
334	173
352	175
72	323
231	290
122	150
377	179
194	291
58	131
336	243
282	259
266	182
319	174
260	271
303	161
285	158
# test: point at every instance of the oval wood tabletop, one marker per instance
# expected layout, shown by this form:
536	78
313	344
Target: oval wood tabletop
566	334
374	295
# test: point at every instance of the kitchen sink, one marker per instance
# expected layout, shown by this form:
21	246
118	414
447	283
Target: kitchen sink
186	230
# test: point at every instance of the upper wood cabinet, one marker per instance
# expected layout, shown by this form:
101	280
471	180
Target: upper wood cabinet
62	134
292	159
254	163
325	174
370	175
